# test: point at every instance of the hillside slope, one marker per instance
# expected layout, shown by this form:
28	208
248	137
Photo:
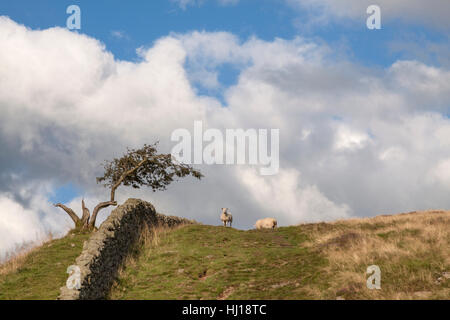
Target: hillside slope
39	274
312	261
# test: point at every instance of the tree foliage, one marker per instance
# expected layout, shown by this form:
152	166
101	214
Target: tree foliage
144	167
136	168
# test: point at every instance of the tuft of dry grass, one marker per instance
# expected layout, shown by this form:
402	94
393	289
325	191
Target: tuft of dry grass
411	249
15	262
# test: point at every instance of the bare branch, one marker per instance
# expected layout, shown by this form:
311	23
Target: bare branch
70	212
99	207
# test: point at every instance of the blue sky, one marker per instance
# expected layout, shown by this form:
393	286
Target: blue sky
142	22
145	21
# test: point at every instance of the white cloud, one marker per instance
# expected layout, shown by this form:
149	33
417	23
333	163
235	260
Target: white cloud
67	105
20	225
283	195
441	173
347	139
392	154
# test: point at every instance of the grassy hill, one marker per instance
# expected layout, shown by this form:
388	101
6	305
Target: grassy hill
311	261
39	273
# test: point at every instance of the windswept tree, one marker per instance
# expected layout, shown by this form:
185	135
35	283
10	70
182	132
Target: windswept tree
136	168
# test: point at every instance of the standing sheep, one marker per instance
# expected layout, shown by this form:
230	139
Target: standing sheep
267	223
226	217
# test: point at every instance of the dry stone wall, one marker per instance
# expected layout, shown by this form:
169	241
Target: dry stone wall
105	251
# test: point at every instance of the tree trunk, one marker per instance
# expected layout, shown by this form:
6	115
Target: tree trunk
86	215
127	173
99	207
87	221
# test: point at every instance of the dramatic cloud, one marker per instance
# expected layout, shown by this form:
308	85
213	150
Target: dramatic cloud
353	141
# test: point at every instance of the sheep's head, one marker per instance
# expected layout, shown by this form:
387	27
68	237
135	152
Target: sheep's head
224	210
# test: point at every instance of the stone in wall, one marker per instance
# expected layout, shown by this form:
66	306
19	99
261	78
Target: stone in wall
105	251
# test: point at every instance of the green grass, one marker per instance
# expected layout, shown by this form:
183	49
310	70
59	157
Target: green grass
208	262
43	271
309	261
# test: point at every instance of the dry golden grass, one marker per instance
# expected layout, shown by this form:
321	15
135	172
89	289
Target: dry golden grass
15	262
312	261
412	251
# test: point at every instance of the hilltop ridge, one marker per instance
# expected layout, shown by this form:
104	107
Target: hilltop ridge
309	261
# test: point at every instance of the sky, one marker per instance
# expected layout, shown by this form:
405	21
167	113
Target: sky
363	114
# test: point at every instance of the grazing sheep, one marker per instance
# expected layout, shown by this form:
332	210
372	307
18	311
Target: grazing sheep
226	217
267	223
